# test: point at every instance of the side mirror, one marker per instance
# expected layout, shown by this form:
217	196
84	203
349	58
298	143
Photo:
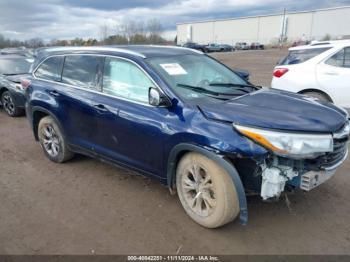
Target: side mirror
242	73
156	98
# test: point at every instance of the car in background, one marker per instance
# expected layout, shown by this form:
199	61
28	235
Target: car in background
13	68
214	136
257	46
17	51
242	46
195	46
227	48
320	70
214	48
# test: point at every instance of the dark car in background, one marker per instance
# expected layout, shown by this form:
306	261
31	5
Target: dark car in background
257	46
195	46
213	136
13	68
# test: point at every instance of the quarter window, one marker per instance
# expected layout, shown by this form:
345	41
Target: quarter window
83	71
347	57
340	59
51	69
124	79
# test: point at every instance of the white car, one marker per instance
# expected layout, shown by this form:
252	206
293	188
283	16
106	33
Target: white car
320	70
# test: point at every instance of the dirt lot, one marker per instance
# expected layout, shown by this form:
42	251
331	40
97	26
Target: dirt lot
86	207
260	64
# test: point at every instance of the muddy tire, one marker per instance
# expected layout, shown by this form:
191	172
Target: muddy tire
206	191
52	141
318	96
9	105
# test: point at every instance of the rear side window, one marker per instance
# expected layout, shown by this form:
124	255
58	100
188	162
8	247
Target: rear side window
83	71
51	69
300	56
347	57
124	79
340	59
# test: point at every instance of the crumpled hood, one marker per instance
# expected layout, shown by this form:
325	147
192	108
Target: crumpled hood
275	109
16	78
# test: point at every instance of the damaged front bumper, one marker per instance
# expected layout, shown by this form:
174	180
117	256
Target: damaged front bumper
277	173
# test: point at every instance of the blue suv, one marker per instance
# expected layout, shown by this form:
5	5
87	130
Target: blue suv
180	116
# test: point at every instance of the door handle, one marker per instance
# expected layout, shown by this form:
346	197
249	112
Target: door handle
331	73
101	108
53	93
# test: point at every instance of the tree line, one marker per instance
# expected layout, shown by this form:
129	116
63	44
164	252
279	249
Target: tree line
132	32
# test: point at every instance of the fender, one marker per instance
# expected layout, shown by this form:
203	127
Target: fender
214	155
43	110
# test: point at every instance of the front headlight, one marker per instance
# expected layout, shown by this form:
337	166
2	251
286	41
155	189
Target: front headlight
295	145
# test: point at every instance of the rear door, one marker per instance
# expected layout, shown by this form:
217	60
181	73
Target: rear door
78	94
333	75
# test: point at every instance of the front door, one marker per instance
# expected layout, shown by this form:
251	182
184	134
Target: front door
134	133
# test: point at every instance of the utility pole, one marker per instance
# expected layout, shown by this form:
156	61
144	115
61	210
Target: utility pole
283	28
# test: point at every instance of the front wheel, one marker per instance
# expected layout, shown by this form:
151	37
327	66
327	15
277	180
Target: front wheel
52	141
206	191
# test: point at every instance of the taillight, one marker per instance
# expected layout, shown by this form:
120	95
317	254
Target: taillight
280	72
25	84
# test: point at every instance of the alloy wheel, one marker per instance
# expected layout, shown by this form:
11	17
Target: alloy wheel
51	141
199	192
8	104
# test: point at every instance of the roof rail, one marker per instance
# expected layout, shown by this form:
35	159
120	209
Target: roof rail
95	48
322	43
315	42
178	47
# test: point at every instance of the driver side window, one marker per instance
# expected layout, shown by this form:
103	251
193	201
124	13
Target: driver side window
125	80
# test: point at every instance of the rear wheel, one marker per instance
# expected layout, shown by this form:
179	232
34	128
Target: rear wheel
9	105
206	191
52	141
318	96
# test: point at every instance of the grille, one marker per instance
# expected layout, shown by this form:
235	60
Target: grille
340	149
332	158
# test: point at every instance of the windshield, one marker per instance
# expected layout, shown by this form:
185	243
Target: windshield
15	66
194	76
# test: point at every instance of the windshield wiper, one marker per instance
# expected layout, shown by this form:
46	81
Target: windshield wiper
14	74
199	89
210	92
233	84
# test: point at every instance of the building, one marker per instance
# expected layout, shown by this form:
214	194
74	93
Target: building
269	29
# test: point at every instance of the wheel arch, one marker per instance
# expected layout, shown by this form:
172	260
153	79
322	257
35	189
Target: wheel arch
317	91
2	90
181	149
37	114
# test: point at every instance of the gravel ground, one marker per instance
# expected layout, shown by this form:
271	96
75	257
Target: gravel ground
89	207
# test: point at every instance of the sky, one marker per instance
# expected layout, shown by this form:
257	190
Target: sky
67	19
